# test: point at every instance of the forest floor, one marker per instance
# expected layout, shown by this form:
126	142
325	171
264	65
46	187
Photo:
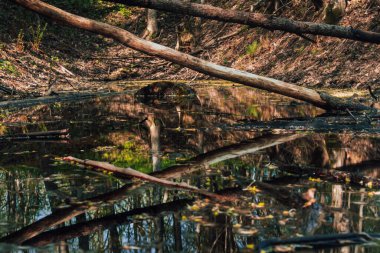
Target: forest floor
33	58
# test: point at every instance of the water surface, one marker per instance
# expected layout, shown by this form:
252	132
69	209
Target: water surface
139	217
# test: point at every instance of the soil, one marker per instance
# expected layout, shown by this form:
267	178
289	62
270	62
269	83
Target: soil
68	59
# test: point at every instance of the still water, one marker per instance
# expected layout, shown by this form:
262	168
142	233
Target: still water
192	140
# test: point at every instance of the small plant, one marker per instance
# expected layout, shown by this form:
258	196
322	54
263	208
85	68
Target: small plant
20	41
37	35
252	48
126	12
8	67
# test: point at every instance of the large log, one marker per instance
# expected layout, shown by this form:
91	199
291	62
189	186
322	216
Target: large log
269	22
319	99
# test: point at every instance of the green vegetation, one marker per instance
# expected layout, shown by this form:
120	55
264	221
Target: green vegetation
252	48
8	67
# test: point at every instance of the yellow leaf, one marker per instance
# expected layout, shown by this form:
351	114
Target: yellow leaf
261	204
250	246
317	180
370	184
184	217
252	189
194	208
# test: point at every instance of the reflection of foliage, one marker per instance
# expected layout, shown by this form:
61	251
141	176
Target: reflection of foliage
3	129
130	154
254	111
23	196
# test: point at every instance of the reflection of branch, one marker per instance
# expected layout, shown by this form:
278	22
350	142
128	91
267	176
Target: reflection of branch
137	174
224	153
65	214
85	228
321	241
334	175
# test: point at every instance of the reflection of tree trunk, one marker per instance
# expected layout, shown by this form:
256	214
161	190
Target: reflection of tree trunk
155	131
200	141
177	232
84	241
151	27
159	233
341	221
114	240
222	240
320	157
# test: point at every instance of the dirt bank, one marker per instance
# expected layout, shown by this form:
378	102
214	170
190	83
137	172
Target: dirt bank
35	59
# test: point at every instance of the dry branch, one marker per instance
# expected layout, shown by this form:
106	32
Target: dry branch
137	174
60	134
322	100
269	22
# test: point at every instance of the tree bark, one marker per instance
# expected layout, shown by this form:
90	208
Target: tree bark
255	19
137	174
318	99
151	26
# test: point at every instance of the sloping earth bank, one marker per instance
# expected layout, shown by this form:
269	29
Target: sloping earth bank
33	59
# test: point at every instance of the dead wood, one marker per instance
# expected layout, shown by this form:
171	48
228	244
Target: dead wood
55	134
137	174
269	22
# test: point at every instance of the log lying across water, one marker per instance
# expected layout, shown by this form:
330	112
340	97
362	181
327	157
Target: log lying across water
137	174
56	134
269	22
321	124
319	99
69	97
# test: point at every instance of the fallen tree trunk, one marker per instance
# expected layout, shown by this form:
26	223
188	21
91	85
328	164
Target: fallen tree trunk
269	22
137	174
55	134
319	99
80	96
322	124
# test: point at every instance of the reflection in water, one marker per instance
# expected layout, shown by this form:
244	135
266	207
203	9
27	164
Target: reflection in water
73	208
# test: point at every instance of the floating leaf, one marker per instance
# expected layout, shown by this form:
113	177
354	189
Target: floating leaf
317	180
252	189
250	246
261	204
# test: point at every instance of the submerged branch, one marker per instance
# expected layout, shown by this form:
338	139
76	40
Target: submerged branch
137	174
